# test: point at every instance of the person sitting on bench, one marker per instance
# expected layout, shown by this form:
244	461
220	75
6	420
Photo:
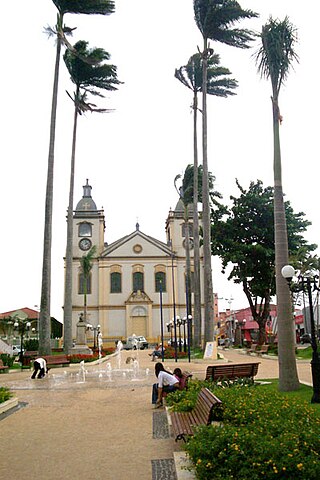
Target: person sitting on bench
157	352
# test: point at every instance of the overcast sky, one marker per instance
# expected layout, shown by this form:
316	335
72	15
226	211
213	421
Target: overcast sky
132	155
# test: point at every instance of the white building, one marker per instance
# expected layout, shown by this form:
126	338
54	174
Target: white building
124	284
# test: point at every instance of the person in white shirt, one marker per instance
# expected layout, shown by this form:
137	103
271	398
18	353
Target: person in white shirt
39	365
166	383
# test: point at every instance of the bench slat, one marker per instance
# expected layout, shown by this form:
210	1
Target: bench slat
183	422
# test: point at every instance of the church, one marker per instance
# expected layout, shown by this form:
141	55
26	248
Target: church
134	279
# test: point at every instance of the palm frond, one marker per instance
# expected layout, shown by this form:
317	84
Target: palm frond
190	75
216	19
87	7
276	53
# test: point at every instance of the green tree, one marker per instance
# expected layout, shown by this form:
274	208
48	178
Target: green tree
274	58
90	76
243	236
86	264
215	20
190	75
87	7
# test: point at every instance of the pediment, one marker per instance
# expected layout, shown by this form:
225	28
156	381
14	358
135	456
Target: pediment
136	245
138	297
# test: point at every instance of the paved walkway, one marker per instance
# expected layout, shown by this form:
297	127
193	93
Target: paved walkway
107	431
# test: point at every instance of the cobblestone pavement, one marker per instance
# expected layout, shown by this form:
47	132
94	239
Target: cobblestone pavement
97	431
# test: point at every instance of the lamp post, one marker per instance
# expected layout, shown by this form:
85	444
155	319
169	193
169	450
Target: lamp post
161	323
96	331
169	328
22	326
189	332
184	321
179	327
38	312
308	283
175	339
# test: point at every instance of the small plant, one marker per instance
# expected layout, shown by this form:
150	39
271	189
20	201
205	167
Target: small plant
5	394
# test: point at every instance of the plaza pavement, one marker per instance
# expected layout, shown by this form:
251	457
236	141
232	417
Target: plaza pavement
94	433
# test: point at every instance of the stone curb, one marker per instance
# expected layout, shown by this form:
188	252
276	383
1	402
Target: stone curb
7	405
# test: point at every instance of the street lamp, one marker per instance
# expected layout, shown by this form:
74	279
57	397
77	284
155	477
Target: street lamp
169	328
308	283
96	331
184	322
179	326
22	326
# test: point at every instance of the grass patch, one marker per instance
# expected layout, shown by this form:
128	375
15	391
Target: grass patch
304	393
304	353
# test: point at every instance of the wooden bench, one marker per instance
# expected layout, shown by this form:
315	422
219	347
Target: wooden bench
232	371
262	349
3	368
56	360
253	348
183	423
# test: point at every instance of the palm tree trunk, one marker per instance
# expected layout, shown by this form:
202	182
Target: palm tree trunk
288	375
208	290
188	266
196	240
45	318
67	318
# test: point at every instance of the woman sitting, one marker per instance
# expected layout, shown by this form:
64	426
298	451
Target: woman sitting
157	352
166	383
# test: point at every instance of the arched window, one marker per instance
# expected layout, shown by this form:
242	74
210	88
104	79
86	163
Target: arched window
160	279
115	282
81	284
85	229
138	281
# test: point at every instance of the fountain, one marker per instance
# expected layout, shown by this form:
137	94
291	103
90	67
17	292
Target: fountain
81	375
107	372
119	353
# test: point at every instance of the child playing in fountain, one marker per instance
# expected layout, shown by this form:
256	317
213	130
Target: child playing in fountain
39	365
166	383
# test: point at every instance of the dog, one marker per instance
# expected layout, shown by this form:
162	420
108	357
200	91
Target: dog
130	359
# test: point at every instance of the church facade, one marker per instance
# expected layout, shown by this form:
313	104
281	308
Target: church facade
135	280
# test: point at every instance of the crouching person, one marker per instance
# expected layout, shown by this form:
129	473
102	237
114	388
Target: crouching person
166	383
40	367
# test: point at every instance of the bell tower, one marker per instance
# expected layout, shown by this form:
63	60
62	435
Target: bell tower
88	224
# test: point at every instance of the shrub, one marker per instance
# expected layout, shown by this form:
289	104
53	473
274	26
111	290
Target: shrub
7	359
77	358
31	345
5	394
263	435
170	353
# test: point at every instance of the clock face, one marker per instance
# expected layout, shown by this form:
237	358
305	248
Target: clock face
190	243
85	244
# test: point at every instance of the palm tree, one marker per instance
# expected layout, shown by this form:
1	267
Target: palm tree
88	7
215	19
275	57
86	264
218	84
90	76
